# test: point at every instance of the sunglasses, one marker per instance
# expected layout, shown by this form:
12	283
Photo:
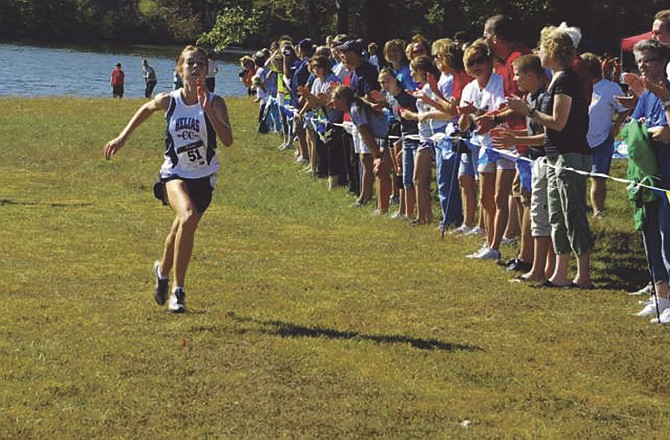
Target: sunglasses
478	60
647	61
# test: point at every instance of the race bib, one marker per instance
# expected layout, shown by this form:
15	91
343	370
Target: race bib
192	156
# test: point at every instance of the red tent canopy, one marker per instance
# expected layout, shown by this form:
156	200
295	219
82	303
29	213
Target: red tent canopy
628	42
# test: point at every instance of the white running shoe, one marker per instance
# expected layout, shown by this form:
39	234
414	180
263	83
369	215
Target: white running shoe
650	308
488	254
461	230
177	302
506	240
664	318
646	290
478	251
476	231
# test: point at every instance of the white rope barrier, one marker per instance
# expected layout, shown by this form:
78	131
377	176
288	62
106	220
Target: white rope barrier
441	138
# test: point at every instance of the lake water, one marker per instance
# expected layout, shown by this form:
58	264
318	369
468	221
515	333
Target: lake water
43	71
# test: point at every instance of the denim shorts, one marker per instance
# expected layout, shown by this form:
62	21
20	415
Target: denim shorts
490	161
602	157
467	166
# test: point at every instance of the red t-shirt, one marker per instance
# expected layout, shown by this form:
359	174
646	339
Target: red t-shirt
461	79
516	122
117	77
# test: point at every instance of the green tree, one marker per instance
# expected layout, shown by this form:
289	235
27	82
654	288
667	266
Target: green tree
233	25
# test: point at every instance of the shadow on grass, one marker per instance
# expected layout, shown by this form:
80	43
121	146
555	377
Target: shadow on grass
619	261
52	205
288	330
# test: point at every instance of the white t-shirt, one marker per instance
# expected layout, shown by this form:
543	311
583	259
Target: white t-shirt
446	86
261	94
601	110
340	70
487	99
431	126
320	87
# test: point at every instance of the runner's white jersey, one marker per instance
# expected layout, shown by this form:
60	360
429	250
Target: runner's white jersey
190	141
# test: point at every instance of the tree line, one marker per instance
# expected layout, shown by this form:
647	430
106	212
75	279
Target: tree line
254	23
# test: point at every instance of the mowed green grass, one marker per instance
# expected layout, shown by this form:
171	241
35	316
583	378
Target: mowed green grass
306	318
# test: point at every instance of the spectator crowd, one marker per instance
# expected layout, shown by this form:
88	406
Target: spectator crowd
507	135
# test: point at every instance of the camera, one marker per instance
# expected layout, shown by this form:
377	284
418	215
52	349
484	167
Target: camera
286	51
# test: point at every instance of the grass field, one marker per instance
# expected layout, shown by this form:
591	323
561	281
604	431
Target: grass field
307	318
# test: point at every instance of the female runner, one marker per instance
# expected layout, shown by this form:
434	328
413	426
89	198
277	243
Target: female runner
195	118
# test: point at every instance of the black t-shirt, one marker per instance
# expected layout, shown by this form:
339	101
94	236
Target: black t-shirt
572	139
364	79
407	101
534	127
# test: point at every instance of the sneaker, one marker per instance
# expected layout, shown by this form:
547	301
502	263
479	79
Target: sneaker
519	266
481	250
301	160
646	290
461	230
664	318
397	216
488	254
505	263
476	231
644	302
161	287
506	241
650	308
177	301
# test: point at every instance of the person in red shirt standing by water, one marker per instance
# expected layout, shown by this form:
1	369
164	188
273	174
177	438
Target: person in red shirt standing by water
116	81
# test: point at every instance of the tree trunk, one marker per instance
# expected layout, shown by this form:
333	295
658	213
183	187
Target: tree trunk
342	16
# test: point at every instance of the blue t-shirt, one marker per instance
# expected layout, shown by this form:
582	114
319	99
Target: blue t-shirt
362	115
405	77
650	107
299	78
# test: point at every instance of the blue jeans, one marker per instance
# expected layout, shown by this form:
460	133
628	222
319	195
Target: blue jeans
408	152
656	237
446	174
